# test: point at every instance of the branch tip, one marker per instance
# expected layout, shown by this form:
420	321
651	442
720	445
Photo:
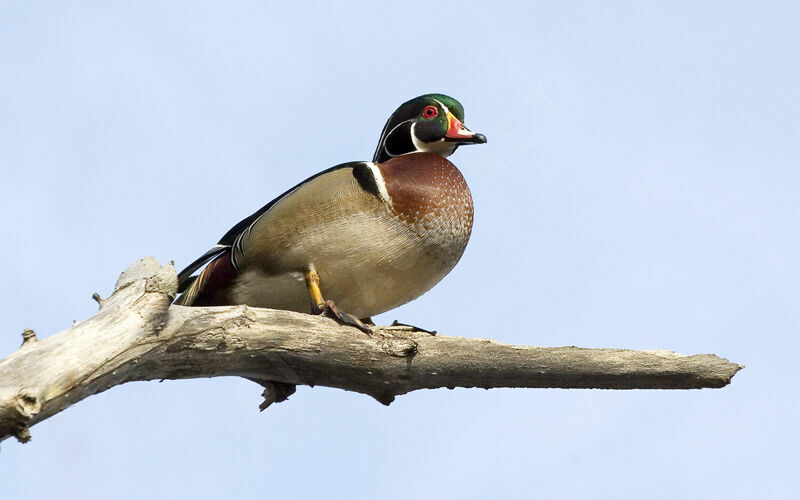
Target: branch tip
16	413
23	435
100	300
28	337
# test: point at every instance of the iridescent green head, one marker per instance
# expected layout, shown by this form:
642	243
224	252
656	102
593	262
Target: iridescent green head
431	123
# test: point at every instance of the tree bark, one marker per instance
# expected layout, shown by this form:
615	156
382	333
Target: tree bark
139	335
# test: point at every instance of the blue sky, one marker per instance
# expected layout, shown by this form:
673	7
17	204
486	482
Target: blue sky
639	189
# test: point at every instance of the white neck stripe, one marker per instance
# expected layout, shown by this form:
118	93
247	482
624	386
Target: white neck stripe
376	173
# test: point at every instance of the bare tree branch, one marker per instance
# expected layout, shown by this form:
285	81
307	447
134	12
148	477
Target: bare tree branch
139	335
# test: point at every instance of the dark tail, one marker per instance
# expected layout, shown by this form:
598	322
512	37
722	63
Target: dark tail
212	286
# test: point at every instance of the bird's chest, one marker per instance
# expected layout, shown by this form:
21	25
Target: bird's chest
433	200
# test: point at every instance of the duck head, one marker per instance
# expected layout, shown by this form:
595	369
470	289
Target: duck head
431	123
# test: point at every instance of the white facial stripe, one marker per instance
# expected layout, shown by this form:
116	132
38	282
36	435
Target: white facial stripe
383	138
440	147
461	131
376	173
443	106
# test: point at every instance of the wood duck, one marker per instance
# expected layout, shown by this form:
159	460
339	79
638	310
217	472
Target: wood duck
357	239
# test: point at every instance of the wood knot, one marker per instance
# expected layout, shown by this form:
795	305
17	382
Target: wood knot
399	347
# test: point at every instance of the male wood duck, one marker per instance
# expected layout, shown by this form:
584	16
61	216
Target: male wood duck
357	239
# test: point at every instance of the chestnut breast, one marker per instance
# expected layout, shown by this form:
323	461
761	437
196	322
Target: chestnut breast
429	194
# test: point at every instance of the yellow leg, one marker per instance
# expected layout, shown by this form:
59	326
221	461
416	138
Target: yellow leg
312	281
321	306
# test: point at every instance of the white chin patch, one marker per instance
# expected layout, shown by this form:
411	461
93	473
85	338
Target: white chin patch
440	147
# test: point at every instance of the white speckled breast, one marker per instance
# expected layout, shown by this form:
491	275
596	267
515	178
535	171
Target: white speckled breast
430	194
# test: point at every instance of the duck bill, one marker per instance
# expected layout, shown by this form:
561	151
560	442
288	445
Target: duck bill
457	132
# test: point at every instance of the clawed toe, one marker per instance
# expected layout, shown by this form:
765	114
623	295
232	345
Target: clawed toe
332	311
413	327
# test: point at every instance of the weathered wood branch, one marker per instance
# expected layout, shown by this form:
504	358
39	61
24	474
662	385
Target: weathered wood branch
139	335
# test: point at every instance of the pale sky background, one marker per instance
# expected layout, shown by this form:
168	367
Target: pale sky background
639	189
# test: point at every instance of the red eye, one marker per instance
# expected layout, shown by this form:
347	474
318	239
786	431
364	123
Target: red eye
430	112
